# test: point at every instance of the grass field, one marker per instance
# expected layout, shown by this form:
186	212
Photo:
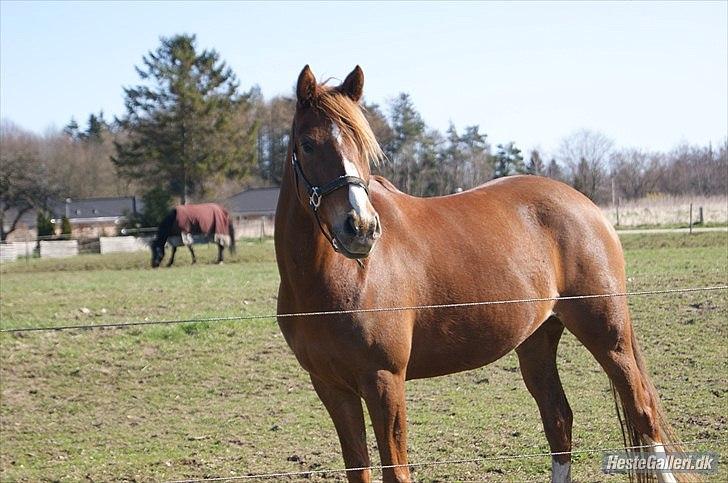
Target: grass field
226	399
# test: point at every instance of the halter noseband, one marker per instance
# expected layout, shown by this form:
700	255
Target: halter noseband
317	193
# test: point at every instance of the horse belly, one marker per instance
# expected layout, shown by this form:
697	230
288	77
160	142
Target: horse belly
187	239
450	342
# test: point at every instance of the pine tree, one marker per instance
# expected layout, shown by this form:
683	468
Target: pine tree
454	160
407	123
157	203
508	161
180	125
71	130
273	136
66	228
554	171
404	148
479	165
535	164
43	224
97	126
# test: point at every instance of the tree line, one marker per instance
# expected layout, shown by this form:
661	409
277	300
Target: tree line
189	133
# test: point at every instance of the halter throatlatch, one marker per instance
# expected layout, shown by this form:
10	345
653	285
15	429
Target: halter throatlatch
317	193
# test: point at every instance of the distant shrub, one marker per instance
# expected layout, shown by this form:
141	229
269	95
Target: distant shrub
44	224
66	228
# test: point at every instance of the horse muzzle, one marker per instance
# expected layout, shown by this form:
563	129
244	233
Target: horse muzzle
356	237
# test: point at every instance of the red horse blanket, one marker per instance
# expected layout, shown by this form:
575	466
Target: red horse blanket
206	219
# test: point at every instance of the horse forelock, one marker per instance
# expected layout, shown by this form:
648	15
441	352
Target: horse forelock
351	122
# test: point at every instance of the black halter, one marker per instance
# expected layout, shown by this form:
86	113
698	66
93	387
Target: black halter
317	193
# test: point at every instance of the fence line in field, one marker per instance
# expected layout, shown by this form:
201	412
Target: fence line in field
441	462
116	325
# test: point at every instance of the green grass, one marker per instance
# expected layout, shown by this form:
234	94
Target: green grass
662	226
225	399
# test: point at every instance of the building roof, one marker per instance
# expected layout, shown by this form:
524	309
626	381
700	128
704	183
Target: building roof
29	218
91	208
82	210
254	201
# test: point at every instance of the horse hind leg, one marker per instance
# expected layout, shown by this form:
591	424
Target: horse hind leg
192	252
605	329
220	248
171	256
537	359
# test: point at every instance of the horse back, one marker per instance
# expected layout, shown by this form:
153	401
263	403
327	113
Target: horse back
518	221
204	219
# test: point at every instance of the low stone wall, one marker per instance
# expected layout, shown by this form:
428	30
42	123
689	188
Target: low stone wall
254	227
24	249
123	244
8	253
58	248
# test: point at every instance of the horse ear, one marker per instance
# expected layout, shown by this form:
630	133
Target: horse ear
353	85
306	87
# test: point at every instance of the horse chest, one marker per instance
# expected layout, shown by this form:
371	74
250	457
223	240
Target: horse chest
345	346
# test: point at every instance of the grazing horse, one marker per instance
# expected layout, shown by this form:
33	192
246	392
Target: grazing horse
186	224
346	239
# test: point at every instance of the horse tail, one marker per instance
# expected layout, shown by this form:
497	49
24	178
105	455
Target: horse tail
231	232
632	437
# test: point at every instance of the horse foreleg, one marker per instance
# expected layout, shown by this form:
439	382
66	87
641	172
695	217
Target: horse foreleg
383	393
537	358
194	260
346	411
220	249
171	256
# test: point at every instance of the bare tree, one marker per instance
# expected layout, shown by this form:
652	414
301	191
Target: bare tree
699	170
586	154
636	173
26	181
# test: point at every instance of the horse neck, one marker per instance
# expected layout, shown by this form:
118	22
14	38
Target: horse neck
161	237
165	226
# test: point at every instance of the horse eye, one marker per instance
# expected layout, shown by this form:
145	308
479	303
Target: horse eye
307	147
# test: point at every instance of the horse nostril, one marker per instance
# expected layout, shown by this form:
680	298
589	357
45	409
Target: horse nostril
351	226
376	228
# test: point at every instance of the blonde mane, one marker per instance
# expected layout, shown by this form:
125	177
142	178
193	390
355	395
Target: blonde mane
349	116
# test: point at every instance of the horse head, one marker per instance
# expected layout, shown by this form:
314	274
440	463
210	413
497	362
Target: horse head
331	149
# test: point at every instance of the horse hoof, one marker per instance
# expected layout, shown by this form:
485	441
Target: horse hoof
221	262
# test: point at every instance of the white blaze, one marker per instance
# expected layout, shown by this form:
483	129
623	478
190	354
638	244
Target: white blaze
357	196
336	133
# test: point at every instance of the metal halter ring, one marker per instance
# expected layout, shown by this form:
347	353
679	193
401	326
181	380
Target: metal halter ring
314	198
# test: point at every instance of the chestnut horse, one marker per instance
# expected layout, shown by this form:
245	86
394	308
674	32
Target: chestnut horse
513	238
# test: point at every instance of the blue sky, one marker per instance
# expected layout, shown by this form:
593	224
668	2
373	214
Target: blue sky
648	75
